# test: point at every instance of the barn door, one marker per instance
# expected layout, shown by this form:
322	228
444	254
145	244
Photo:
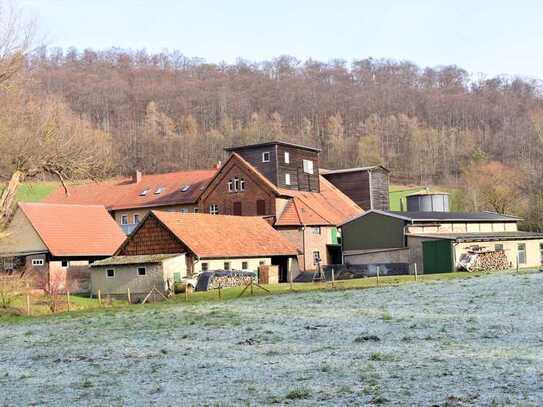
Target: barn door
437	256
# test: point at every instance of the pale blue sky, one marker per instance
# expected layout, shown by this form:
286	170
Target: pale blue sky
483	36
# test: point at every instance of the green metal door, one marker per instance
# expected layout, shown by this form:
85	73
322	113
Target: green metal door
437	256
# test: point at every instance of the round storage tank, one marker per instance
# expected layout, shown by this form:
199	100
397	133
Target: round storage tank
428	202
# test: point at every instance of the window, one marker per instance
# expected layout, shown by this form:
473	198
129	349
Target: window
242	184
266	157
8	263
316	257
260	207
124	219
230	186
498	247
261	262
287	157
110	273
287	179
196	210
185	188
236	184
160	190
244	265
316	230
308	166
227	265
521	256
205	266
144	192
142	271
64	263
184	210
38	262
214	209
136	219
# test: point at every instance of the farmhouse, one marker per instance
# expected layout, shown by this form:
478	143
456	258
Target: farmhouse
212	242
435	241
281	180
129	199
55	243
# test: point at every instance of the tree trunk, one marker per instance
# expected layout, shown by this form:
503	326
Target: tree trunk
8	196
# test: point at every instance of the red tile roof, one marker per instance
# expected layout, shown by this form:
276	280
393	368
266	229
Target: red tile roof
330	206
123	193
220	236
74	230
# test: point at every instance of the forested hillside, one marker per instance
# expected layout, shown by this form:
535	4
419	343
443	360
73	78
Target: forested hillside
168	111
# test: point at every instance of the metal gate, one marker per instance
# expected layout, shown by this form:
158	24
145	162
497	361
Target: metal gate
437	256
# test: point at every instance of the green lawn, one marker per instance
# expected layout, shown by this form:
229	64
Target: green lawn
399	192
34	191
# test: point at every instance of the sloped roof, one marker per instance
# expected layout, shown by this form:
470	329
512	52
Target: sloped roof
330	206
325	172
455	216
74	230
221	236
127	260
273	143
481	236
123	193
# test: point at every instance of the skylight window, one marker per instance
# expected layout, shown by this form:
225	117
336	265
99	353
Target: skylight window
144	192
185	188
160	190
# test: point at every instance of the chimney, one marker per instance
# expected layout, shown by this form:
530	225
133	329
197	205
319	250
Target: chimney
136	177
217	166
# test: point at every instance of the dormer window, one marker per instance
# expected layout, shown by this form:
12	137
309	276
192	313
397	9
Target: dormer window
144	192
160	190
185	188
266	157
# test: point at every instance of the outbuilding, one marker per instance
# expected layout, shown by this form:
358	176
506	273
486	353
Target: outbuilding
138	275
212	242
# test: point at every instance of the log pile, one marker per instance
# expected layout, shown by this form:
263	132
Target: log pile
233	280
484	259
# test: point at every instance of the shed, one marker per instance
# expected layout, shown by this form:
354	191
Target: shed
115	275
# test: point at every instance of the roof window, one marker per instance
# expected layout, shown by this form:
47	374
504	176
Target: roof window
160	190
185	188
144	192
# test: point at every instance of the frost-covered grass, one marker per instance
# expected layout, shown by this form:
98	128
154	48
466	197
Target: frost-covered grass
460	342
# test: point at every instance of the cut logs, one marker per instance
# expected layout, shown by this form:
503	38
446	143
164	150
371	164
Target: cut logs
483	259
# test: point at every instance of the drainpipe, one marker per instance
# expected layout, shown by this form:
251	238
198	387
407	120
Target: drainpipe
303	247
371	189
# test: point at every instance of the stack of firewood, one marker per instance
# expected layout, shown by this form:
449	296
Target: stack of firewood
486	260
233	280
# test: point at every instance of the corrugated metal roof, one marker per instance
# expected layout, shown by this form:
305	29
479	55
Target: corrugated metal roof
126	260
453	216
481	236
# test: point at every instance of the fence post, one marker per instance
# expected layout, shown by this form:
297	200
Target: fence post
378	268
220	291
128	295
416	275
28	311
252	286
290	277
186	292
68	299
333	278
517	262
99	297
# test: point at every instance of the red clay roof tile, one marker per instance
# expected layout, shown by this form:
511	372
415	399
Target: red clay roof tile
74	230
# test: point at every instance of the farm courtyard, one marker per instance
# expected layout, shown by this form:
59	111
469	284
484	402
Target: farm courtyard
466	342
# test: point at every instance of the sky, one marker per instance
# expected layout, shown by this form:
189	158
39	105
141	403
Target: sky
486	38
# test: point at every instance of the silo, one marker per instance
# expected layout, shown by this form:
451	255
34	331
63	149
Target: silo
428	202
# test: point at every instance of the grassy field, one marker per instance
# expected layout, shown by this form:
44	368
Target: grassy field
449	343
399	192
34	191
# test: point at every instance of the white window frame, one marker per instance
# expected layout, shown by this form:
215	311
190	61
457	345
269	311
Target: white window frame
230	186
38	262
196	210
214	209
316	230
308	166
525	256
236	184
107	271
242	184
287	179
124	219
287	157
136	218
144	271
184	210
266	157
315	254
